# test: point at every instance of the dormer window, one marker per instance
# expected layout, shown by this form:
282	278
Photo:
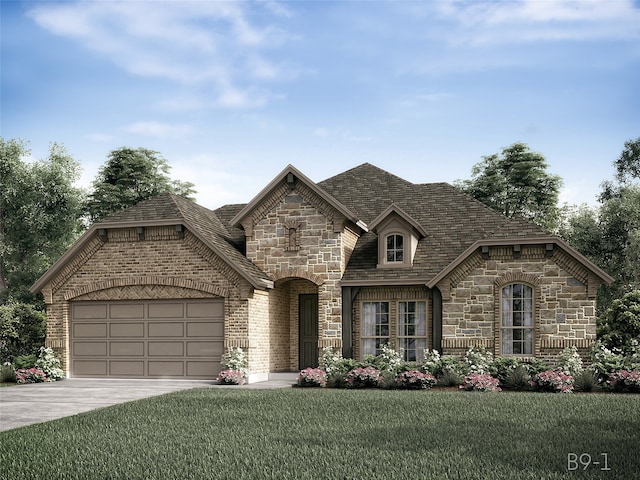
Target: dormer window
395	248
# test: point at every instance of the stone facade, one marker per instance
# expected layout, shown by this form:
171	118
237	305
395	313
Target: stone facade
563	312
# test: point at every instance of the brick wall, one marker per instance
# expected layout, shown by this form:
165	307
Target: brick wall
162	266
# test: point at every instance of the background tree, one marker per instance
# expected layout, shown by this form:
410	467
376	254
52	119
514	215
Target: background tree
515	182
40	215
130	176
610	236
628	163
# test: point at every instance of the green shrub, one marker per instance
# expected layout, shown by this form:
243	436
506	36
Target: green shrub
50	364
585	381
478	360
570	361
25	361
621	322
449	377
503	366
7	374
517	378
536	365
22	330
236	360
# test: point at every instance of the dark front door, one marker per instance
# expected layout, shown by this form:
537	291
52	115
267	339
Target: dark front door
308	330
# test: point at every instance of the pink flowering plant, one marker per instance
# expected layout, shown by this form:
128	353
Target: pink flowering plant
31	375
553	381
480	382
625	381
364	377
415	380
312	377
230	377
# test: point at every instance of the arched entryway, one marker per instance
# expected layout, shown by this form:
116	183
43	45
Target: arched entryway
295	324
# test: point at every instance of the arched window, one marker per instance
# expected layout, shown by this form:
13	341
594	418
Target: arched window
395	248
517	319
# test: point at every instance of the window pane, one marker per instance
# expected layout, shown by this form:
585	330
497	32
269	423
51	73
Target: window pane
390	245
507	342
369	346
399	242
421	319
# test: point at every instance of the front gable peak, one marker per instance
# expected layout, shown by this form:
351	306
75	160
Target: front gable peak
288	180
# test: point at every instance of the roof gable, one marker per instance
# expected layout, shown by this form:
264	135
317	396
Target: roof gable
170	209
394	210
290	176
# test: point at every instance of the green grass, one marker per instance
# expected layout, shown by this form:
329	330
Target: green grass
312	433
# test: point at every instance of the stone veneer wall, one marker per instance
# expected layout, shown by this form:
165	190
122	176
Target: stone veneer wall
564	312
161	266
392	295
319	254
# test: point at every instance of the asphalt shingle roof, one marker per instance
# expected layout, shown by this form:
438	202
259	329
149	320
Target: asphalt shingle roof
452	219
203	222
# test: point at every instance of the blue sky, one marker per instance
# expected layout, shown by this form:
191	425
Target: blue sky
231	92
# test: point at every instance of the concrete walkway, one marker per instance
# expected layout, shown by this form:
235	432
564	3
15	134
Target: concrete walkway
40	402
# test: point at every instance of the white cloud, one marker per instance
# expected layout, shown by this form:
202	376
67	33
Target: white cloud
321	132
504	22
160	130
222	46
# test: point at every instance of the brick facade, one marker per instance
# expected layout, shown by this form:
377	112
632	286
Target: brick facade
161	266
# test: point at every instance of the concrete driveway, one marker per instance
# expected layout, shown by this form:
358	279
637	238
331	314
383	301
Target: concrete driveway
40	402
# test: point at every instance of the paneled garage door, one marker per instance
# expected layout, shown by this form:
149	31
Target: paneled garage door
147	339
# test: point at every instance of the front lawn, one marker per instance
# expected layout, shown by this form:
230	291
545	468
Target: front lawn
326	433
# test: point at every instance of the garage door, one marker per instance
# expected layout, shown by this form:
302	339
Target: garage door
147	339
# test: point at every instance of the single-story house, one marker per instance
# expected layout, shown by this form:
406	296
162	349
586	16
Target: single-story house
359	260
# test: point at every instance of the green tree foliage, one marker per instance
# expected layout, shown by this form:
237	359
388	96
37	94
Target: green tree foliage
22	330
130	176
628	163
621	322
610	234
40	214
515	182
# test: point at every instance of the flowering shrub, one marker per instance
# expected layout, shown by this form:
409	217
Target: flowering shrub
607	361
49	364
391	359
625	381
312	377
553	381
330	360
31	375
230	377
570	361
478	360
415	379
431	362
480	382
364	377
235	359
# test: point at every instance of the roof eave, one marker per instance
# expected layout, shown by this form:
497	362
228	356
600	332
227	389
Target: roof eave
604	276
81	242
